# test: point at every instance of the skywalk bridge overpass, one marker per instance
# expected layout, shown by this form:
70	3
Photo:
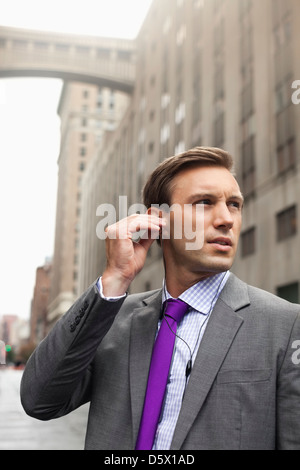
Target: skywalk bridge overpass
106	62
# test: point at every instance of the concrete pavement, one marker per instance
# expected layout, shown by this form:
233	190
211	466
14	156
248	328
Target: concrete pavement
20	432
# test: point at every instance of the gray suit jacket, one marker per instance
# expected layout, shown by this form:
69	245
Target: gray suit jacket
243	392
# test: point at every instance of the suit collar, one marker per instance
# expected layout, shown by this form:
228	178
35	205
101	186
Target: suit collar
235	293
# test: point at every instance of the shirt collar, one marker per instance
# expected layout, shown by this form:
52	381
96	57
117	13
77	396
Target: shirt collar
203	295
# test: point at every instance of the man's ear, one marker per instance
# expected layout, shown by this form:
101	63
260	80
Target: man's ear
154	211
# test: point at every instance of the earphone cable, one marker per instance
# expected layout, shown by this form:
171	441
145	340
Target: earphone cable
190	362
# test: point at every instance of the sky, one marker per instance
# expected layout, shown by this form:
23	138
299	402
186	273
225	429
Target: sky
30	138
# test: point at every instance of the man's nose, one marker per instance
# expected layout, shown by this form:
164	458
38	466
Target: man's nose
223	216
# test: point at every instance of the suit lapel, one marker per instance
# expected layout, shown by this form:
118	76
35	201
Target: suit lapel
222	327
143	330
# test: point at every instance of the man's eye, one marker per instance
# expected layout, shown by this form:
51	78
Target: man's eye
235	204
204	202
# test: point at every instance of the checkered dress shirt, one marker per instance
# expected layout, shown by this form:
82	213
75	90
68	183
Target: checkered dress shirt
201	297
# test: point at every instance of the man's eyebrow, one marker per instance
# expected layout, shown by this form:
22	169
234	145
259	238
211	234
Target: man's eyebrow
202	195
236	197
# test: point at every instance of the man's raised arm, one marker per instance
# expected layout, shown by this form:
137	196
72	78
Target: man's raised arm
57	377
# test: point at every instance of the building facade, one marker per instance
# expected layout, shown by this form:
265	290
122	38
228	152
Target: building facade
213	73
86	112
39	304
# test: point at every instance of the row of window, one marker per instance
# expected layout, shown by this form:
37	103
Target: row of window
286	154
286	227
101	52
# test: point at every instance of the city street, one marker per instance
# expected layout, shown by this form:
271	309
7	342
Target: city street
20	432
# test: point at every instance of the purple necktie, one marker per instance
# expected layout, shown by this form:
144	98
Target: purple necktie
159	371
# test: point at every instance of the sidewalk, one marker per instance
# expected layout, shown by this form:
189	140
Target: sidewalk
20	432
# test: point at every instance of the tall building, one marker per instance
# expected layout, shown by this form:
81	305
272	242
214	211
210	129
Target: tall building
86	112
213	73
8	329
39	304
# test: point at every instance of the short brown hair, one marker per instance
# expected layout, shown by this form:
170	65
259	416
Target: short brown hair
157	188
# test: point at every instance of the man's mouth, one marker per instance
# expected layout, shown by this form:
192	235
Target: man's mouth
221	243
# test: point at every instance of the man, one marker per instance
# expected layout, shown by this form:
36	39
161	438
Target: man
233	382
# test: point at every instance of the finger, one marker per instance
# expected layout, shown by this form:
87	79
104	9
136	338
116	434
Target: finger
125	228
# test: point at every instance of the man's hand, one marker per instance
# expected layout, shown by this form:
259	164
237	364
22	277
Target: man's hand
125	257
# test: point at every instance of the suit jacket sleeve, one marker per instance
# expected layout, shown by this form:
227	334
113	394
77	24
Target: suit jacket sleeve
57	377
288	394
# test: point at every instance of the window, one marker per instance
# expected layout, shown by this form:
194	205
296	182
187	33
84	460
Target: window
82	50
41	45
219	37
151	147
219	81
248	165
165	133
247	107
103	53
286	223
82	151
282	32
62	47
282	98
248	242
219	126
286	156
167	25
181	35
289	292
245	6
198	4
180	147
20	43
112	100
147	286
124	55
180	113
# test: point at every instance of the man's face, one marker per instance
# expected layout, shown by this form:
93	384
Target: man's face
216	192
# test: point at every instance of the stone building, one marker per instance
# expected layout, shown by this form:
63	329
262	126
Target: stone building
86	112
215	73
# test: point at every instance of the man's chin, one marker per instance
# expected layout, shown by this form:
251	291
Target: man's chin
213	266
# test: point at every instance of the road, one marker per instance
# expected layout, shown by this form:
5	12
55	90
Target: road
20	432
